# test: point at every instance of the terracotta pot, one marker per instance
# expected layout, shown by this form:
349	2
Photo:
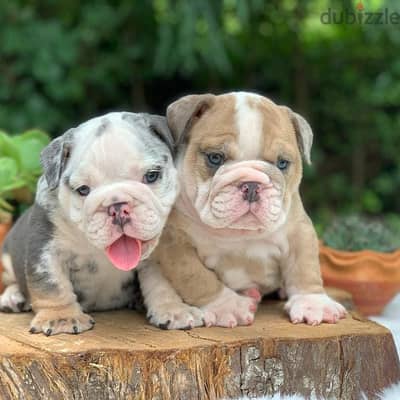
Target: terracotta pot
372	278
4	228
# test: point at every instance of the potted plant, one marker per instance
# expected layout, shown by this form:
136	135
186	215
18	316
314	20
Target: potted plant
362	256
19	171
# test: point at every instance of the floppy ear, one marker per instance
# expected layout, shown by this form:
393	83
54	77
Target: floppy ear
183	113
304	134
54	158
159	127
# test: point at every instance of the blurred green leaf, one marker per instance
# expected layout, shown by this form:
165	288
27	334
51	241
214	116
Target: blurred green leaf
9	175
9	149
29	145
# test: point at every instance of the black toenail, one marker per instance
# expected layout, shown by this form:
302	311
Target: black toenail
92	321
164	325
48	332
75	329
187	328
32	330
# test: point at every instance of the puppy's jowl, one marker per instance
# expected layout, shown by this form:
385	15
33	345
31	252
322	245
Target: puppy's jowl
107	189
238	229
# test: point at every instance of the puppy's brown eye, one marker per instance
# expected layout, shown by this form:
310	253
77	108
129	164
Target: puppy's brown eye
215	160
83	190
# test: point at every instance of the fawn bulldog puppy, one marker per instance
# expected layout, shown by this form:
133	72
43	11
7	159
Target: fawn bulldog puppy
239	229
101	204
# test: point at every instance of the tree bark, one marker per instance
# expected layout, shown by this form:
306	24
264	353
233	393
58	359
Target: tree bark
125	358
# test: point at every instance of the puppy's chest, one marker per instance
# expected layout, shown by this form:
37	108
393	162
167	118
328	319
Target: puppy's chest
97	284
246	265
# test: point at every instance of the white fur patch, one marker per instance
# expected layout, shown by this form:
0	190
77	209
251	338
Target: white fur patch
314	309
12	298
230	309
250	123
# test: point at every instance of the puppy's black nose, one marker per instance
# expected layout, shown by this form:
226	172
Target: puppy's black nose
250	191
120	213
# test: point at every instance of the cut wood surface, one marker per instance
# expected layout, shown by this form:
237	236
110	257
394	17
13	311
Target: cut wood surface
125	358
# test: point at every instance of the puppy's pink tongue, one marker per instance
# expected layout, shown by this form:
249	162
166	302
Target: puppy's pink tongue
125	253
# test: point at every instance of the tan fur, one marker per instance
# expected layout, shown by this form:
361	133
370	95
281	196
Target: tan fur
54	319
286	257
180	261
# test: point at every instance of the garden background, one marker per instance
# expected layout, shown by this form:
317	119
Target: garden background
62	62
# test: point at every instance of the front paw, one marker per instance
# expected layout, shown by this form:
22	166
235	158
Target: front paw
12	300
175	316
314	309
52	322
230	309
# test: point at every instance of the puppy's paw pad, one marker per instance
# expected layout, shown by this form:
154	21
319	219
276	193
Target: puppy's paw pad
176	316
314	309
230	309
12	300
69	324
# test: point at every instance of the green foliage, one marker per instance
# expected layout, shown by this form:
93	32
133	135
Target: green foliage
355	232
19	167
63	62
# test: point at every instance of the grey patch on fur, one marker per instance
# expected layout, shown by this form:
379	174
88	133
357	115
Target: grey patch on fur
42	280
102	128
156	125
80	297
92	267
129	284
54	158
71	264
136	295
66	180
25	243
159	127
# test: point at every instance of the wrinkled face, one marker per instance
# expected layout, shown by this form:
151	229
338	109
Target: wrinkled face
242	163
118	186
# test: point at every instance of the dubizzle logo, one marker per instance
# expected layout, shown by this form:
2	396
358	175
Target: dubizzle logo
360	16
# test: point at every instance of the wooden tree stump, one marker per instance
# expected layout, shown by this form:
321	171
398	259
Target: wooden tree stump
125	358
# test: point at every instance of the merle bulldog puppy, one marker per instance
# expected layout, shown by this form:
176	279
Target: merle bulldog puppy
101	204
